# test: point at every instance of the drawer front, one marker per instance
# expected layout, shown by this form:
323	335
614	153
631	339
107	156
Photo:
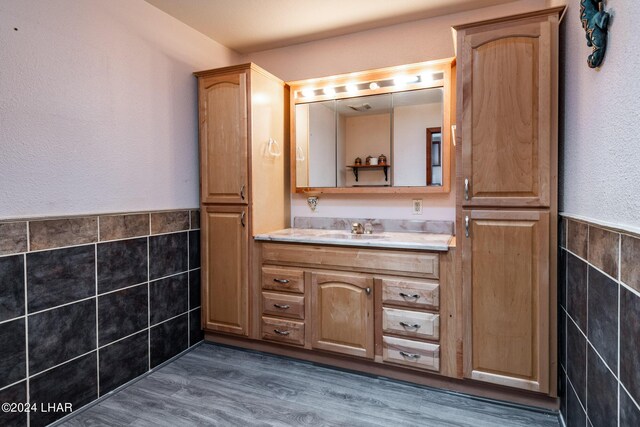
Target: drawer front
416	354
354	259
283	279
411	293
281	330
283	305
411	323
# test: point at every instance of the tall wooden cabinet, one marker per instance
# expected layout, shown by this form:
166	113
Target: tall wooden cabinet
243	128
507	197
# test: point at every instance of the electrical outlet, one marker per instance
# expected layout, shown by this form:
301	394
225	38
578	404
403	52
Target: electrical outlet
417	207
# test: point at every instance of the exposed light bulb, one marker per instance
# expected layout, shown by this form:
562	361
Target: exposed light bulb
374	86
351	87
329	91
426	77
404	79
308	92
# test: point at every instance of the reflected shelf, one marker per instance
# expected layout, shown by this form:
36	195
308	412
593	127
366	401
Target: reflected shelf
356	168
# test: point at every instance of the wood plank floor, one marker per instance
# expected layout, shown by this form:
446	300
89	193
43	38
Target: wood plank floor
219	386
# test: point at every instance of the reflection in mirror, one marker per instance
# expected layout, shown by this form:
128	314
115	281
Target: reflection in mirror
363	130
417	148
316	144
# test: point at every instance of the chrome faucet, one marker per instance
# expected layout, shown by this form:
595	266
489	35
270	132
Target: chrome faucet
368	228
357	228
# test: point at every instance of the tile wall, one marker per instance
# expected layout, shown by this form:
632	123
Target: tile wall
90	303
599	325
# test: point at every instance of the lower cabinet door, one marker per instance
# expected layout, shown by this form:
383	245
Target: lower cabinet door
225	270
505	261
342	313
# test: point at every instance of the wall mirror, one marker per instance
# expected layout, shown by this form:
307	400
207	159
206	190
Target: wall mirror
380	131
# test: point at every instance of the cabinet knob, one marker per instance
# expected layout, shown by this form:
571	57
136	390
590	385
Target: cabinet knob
368	291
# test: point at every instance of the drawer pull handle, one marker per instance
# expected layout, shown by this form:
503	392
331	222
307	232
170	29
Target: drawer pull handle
409	325
409	355
283	281
279	332
282	306
415	296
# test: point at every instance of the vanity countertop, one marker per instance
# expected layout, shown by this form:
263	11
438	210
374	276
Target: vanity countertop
423	241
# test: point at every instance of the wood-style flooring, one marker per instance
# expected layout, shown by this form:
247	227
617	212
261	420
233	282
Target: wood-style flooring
220	386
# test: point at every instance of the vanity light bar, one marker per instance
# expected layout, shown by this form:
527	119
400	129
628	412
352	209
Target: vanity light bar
352	88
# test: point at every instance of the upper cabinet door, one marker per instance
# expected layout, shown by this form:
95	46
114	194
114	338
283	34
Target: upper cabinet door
223	138
506	73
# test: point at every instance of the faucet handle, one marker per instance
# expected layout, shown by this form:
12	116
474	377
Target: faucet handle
368	228
356	228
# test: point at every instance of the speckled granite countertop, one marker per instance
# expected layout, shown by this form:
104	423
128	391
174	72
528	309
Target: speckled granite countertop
422	241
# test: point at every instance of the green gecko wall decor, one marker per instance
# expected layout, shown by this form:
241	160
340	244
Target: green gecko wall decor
595	22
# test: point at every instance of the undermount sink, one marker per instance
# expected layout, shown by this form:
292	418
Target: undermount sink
351	236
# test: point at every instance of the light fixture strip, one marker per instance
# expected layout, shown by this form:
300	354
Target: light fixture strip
399	81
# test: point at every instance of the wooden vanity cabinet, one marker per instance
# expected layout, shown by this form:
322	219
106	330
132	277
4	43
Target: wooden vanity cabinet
507	198
378	304
242	186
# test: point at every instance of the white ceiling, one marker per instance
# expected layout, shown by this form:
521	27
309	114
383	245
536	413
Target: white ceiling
253	25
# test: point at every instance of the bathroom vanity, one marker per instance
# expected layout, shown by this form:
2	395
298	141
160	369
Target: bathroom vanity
471	309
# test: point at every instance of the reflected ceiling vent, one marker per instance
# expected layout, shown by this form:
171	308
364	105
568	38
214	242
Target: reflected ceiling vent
361	107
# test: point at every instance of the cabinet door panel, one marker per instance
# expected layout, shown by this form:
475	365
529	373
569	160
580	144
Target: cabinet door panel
225	272
506	115
223	139
506	298
342	319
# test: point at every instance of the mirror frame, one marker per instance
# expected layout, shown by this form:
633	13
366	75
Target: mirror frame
447	83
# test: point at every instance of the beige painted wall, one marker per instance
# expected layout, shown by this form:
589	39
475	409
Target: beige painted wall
98	107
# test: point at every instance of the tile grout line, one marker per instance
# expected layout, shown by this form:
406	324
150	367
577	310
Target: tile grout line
577	397
26	332
169	319
12	319
124	288
590	344
28	237
619	314
61	305
97	328
189	283
62	363
122	338
629	395
12	384
148	303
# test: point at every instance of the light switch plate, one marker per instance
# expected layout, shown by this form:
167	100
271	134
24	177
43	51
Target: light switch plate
416	207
